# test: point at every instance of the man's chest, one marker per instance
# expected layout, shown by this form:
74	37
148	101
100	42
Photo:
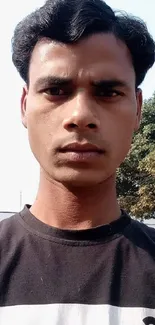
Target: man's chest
77	286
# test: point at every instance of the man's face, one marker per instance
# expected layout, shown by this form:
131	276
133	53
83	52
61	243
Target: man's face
81	108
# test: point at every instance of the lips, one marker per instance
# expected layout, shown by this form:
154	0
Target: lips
81	148
80	153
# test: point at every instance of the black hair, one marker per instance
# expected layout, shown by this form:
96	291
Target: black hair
68	21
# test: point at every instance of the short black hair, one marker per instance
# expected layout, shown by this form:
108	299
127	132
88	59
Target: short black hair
68	21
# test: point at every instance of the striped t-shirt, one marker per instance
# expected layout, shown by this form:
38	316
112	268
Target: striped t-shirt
102	276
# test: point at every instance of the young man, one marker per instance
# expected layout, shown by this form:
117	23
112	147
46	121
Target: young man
74	257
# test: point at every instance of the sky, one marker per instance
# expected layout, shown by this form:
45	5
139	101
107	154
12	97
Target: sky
19	171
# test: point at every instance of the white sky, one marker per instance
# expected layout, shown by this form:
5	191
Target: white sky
18	169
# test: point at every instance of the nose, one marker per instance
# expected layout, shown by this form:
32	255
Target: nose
82	114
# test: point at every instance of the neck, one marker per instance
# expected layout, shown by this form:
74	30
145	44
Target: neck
76	208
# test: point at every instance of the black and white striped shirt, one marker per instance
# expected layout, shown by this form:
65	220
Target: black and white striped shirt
102	276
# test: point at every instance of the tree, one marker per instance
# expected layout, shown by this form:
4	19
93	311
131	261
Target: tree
136	176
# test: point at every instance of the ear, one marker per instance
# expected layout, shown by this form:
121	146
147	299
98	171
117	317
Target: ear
139	98
23	106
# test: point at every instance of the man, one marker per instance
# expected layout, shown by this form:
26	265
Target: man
74	257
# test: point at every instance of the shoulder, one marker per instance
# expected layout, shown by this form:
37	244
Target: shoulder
143	228
11	234
7	225
142	236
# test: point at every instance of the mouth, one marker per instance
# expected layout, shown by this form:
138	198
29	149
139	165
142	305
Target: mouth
81	152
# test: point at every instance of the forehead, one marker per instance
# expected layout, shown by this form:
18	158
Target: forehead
98	56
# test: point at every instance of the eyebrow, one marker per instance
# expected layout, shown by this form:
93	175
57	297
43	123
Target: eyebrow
52	80
110	83
63	81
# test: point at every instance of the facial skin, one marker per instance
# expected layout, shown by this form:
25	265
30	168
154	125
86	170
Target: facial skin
96	104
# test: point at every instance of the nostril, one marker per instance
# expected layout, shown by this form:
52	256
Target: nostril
92	126
72	126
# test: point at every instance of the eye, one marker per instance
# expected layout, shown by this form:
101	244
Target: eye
107	93
55	91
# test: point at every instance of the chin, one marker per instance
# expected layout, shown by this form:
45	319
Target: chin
80	178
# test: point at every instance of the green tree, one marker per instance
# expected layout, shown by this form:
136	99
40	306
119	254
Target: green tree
136	176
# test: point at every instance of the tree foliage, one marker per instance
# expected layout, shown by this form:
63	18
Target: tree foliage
136	176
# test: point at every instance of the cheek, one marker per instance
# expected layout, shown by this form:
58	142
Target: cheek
118	126
41	129
39	117
126	116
